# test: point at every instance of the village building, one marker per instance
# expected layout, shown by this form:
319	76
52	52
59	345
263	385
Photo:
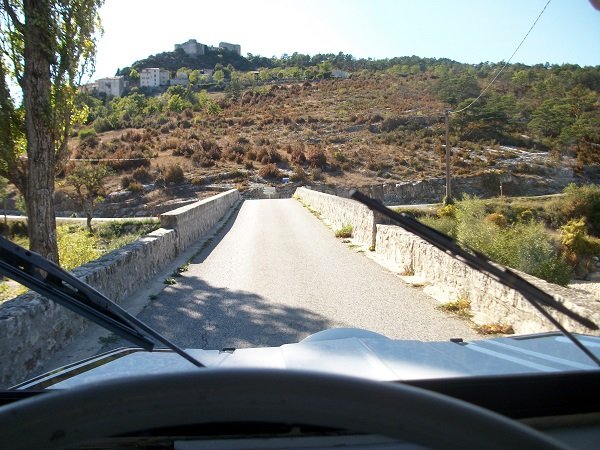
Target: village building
154	77
111	86
180	79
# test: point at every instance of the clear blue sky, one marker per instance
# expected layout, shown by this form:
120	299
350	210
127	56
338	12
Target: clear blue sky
469	31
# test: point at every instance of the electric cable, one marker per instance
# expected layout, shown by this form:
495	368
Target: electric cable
505	64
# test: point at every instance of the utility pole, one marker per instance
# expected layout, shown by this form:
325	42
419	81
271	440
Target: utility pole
448	154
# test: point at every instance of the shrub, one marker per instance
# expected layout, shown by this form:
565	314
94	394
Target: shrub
211	149
184	149
584	201
174	174
579	246
316	157
298	156
269	171
497	219
447	211
78	246
126	181
102	124
525	216
87	133
494	328
344	232
298	175
460	307
202	160
522	246
142	175
135	186
446	225
573	236
316	175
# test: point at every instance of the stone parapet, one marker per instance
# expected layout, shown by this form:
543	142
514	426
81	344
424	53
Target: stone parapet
33	328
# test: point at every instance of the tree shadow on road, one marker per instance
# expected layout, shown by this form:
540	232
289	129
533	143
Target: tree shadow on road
196	315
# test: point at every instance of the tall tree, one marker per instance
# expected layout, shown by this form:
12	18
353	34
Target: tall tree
46	47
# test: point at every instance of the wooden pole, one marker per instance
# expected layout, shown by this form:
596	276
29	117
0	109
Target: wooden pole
448	154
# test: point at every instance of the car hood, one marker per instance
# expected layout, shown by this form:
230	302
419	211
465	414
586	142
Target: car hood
347	352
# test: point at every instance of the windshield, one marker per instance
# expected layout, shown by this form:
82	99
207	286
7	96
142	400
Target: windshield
204	183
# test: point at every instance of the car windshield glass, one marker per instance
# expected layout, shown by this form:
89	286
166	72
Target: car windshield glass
350	187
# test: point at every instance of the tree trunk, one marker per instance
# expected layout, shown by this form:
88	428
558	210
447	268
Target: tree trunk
38	128
89	212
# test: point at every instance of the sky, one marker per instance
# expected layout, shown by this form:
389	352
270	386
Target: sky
468	31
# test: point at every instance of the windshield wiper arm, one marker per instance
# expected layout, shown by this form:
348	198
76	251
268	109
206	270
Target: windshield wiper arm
534	295
48	279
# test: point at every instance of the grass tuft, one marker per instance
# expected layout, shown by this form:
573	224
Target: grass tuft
460	307
344	232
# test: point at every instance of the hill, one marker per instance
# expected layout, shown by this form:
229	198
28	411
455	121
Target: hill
380	126
177	59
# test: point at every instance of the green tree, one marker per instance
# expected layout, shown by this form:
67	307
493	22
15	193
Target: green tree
46	46
219	76
194	76
453	90
176	103
134	75
88	181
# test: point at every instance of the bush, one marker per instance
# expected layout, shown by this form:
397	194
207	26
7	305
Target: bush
174	174
447	211
126	181
344	232
76	246
270	171
316	158
299	175
525	216
87	133
142	175
572	236
584	201
135	186
446	225
497	219
102	124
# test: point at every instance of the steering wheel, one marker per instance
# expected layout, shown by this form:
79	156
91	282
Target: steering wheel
114	407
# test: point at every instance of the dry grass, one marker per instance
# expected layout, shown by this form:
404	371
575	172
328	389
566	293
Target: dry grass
370	129
460	307
494	328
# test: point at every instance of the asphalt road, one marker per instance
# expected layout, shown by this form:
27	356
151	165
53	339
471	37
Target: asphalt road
276	274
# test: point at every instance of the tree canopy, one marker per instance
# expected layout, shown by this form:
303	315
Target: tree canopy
46	47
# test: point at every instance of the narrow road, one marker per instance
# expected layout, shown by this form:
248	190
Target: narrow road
276	275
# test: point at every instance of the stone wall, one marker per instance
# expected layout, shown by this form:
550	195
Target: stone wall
339	212
491	302
33	328
403	252
433	190
192	221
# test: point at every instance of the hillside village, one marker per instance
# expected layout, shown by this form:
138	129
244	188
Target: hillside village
155	77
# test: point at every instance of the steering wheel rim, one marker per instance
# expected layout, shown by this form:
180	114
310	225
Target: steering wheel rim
113	407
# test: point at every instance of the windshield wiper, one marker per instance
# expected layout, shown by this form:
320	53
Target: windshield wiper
48	279
534	295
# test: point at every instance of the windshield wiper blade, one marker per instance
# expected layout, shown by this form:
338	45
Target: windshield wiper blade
534	295
48	279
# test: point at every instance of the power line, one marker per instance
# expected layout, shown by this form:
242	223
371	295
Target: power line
505	64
